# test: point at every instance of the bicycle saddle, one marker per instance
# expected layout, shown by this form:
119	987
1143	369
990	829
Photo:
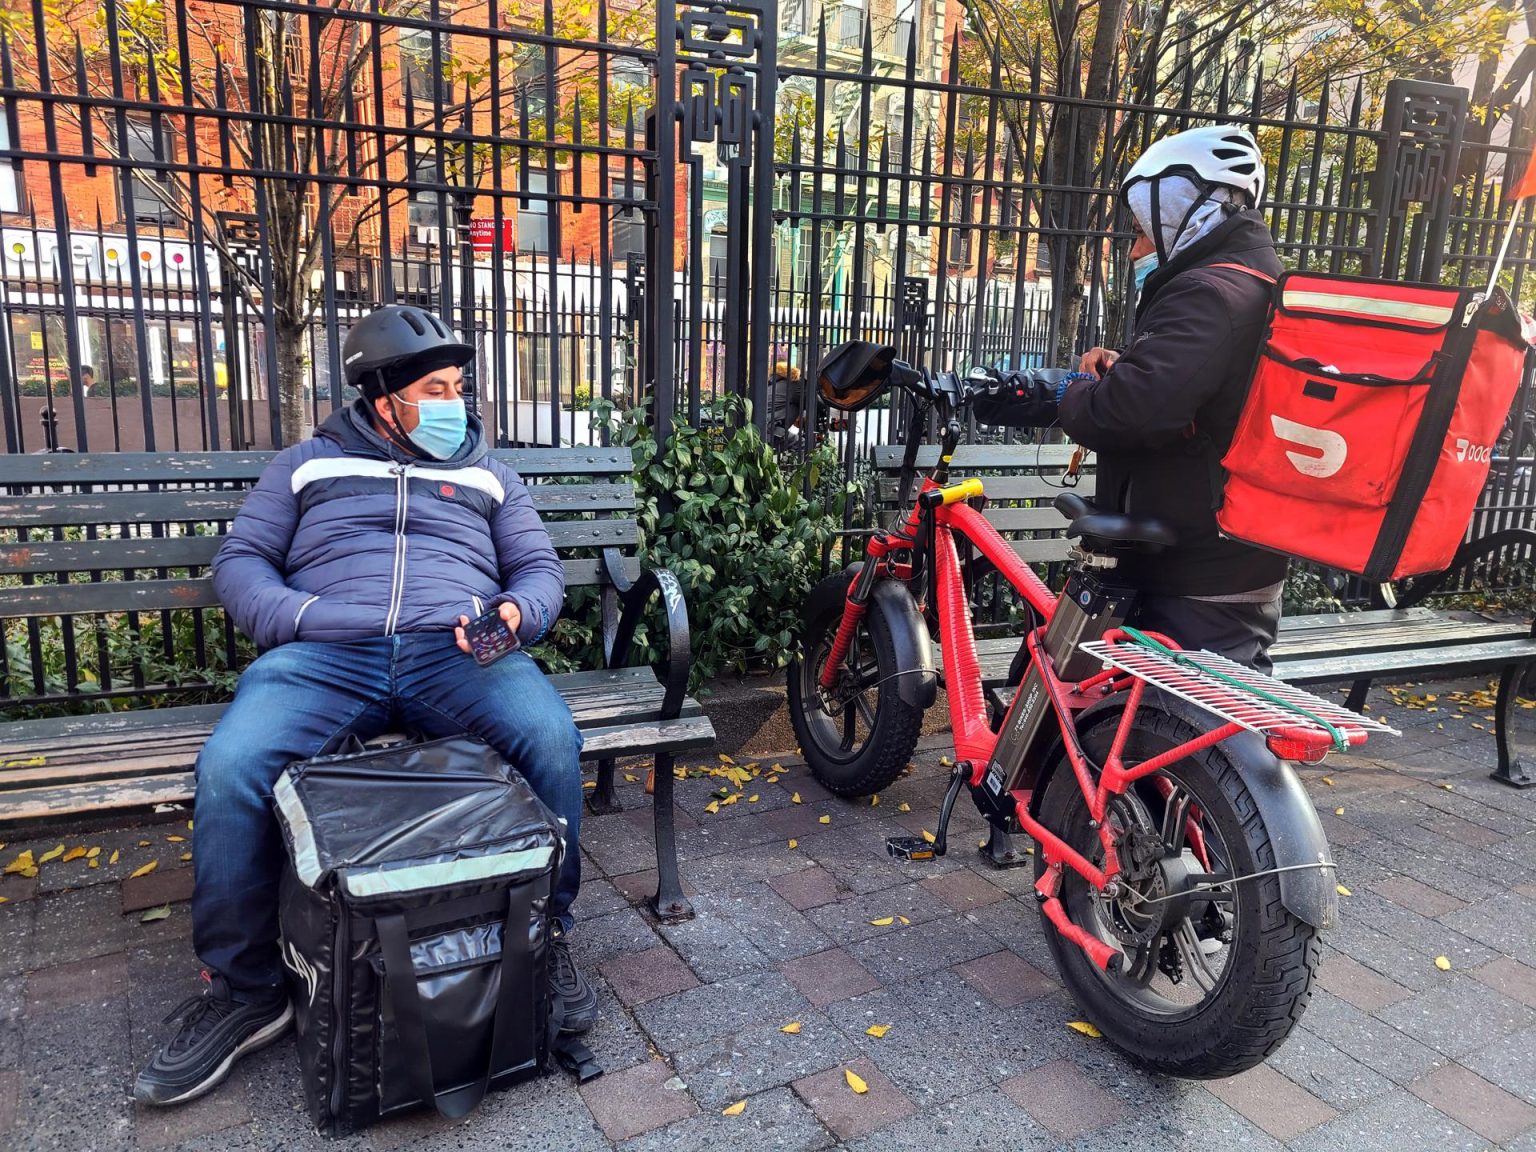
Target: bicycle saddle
1100	529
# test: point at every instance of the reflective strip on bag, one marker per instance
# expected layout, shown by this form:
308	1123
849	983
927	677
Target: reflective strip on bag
306	855
1399	310
416	877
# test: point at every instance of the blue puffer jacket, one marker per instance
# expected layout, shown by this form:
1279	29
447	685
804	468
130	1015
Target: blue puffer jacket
346	537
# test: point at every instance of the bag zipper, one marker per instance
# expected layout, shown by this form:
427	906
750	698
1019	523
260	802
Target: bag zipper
397	578
341	965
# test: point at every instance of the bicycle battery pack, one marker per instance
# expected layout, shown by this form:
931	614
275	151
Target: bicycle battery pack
1087	610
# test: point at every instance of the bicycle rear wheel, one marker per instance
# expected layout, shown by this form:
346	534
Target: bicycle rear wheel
1208	983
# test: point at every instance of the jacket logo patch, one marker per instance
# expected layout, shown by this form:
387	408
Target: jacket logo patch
1331	448
447	490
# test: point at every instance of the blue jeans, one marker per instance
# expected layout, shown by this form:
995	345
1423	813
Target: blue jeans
303	698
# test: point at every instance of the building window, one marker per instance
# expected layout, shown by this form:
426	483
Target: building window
850	26
960	247
426	209
905	32
719	260
10	177
895	121
1042	256
795	17
533	217
628	221
530	83
149	144
418	76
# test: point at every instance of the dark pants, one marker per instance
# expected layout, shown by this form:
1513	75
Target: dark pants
1240	632
303	698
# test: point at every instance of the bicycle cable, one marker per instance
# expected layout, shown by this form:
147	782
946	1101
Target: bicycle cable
1207	886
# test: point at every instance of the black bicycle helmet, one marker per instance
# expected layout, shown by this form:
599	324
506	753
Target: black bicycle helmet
394	345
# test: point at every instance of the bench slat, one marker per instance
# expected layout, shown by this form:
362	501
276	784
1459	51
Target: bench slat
999	488
1350	619
208	467
1428	635
1466	658
888	457
109	555
1042	518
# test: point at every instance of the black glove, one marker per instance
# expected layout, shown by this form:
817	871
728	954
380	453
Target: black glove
1018	399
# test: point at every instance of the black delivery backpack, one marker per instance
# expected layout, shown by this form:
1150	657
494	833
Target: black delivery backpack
414	912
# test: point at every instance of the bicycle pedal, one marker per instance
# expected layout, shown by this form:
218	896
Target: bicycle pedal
909	848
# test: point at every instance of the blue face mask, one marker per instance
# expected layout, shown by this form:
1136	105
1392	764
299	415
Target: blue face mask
442	427
1143	268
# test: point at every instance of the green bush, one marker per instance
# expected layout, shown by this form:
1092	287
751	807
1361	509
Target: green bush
735	528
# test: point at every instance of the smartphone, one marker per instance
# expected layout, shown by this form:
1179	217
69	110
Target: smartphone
489	638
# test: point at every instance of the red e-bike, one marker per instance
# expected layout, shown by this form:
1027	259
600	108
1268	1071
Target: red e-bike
1181	870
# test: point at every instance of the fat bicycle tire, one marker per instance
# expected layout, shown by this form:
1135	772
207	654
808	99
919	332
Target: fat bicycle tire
883	754
1274	954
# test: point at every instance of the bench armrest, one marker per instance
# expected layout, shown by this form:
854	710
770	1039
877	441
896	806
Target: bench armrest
633	597
1412	592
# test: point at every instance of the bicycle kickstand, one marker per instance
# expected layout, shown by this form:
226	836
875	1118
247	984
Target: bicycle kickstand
999	851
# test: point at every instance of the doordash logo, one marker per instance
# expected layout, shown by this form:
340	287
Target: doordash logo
1331	448
1477	453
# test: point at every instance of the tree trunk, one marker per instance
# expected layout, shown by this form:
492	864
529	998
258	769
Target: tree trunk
1074	151
288	339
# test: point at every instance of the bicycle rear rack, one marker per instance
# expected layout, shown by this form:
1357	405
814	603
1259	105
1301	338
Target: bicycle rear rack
1291	714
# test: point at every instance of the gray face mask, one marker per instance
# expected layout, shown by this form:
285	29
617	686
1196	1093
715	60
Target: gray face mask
1142	268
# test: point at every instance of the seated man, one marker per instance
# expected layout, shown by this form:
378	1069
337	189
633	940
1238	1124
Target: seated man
354	564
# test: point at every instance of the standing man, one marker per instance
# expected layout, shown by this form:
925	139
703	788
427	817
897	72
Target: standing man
354	564
1161	414
87	379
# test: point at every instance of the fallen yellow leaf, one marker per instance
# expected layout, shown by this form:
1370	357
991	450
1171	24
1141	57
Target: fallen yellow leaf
795	799
159	913
877	1030
793	844
712	807
186	855
1085	1028
74	853
5	899
1448	787
1442	963
855	1081
20	864
874	801
189	825
752	799
93	853
143	843
1338	811
793	1028
773	779
630	777
904	920
731	799
735	1109
1328	780
94	863
588	785
904	808
1343	891
929	836
181	839
724	759
884	921
824	819
51	854
145	870
113	858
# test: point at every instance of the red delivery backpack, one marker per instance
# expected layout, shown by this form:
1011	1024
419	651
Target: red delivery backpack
1370	422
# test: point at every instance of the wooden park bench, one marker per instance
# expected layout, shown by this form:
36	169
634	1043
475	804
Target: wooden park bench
90	542
1408	640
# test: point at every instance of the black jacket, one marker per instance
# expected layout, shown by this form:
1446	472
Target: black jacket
1163	416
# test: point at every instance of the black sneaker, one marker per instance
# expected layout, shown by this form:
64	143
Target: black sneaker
216	1030
567	982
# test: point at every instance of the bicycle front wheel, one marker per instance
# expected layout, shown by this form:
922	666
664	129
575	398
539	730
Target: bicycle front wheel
859	736
1210	980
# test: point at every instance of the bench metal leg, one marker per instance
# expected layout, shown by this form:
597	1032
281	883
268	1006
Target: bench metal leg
670	905
999	852
1512	769
604	800
1357	694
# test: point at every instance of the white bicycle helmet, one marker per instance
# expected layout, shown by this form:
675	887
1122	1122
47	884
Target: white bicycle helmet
1217	154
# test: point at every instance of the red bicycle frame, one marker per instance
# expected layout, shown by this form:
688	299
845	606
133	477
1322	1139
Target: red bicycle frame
973	736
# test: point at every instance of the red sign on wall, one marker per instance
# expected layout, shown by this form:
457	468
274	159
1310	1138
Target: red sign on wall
482	233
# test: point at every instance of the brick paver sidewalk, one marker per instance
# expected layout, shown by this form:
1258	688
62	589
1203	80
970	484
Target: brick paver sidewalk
834	937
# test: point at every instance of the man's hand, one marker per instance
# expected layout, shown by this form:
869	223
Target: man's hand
1097	361
510	616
